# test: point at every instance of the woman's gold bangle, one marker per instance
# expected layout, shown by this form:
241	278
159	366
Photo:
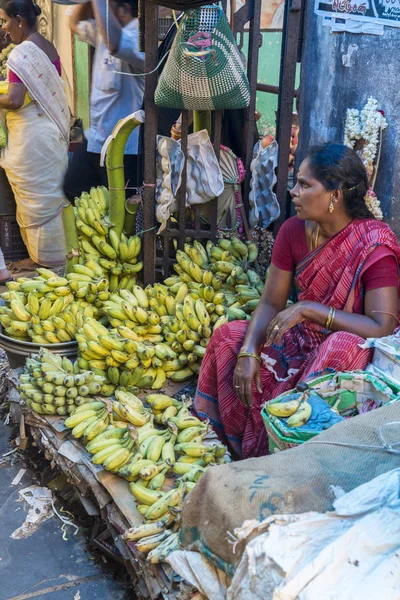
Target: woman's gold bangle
250	354
330	318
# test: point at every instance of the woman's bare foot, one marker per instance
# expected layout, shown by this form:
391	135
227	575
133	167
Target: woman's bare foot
5	275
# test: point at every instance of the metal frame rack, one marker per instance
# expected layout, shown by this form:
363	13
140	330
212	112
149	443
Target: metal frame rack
159	250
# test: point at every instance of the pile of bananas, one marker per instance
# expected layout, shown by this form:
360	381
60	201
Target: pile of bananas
121	357
163	331
117	255
223	268
4	54
47	309
53	385
146	443
174	449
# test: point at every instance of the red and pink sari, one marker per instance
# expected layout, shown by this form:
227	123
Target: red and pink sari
329	275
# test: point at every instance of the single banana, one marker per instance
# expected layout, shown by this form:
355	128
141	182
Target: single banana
283	409
301	416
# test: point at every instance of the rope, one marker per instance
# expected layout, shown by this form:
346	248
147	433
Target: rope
117	167
385	445
146	230
64	520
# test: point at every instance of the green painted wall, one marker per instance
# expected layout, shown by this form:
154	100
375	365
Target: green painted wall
268	72
82	82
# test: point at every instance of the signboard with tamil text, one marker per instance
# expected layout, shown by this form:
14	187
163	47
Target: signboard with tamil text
383	12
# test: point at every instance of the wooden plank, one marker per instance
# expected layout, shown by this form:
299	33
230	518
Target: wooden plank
150	135
182	189
216	139
290	40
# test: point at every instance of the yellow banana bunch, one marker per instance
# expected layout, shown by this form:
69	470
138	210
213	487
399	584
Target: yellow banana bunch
118	256
32	305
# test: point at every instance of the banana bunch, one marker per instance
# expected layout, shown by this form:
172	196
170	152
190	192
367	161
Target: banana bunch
121	356
170	445
227	262
297	411
4	54
219	269
112	448
118	256
43	309
89	420
53	385
89	282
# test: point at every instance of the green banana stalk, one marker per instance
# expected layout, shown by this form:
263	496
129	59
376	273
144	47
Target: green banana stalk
115	169
71	236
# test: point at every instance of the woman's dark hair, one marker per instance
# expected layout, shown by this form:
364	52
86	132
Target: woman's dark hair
26	9
338	167
133	4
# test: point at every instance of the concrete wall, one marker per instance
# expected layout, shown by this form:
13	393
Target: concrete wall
328	88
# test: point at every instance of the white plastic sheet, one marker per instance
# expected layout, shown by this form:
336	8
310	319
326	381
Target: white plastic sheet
349	554
352	553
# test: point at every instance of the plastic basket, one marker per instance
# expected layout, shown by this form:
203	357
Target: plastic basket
11	241
352	388
7	201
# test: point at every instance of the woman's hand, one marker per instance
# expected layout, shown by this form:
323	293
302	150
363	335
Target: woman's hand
285	320
247	370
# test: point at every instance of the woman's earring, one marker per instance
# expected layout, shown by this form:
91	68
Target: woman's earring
331	205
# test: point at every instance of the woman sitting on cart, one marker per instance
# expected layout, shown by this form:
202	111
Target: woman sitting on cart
345	265
36	155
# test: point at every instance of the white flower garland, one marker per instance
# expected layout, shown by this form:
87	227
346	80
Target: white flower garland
367	126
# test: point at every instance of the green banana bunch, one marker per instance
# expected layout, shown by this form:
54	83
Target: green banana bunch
56	383
117	255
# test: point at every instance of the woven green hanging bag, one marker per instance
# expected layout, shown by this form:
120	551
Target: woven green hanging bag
204	70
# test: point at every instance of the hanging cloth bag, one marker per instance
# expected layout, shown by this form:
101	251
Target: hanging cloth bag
204	70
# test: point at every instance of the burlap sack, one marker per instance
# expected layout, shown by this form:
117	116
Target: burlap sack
294	481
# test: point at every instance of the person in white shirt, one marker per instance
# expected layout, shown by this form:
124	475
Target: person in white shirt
116	91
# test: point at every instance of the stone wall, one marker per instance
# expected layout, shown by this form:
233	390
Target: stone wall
328	88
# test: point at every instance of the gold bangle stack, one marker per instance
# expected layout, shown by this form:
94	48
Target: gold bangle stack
330	318
250	354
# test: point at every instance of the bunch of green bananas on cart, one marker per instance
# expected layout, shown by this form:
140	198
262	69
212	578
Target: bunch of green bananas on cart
117	255
222	266
53	385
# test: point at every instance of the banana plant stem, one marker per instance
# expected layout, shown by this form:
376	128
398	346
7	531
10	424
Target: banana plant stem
115	168
71	236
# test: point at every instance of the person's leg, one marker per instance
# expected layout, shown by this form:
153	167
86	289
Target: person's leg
5	274
83	172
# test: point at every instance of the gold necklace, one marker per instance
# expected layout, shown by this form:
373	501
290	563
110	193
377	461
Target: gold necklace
316	238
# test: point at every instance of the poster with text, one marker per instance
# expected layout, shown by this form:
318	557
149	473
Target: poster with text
384	12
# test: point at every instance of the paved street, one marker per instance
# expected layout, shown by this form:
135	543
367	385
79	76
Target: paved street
44	566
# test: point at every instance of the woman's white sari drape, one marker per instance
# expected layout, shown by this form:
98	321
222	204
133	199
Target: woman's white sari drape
36	155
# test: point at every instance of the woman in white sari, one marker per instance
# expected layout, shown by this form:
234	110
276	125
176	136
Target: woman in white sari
37	121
